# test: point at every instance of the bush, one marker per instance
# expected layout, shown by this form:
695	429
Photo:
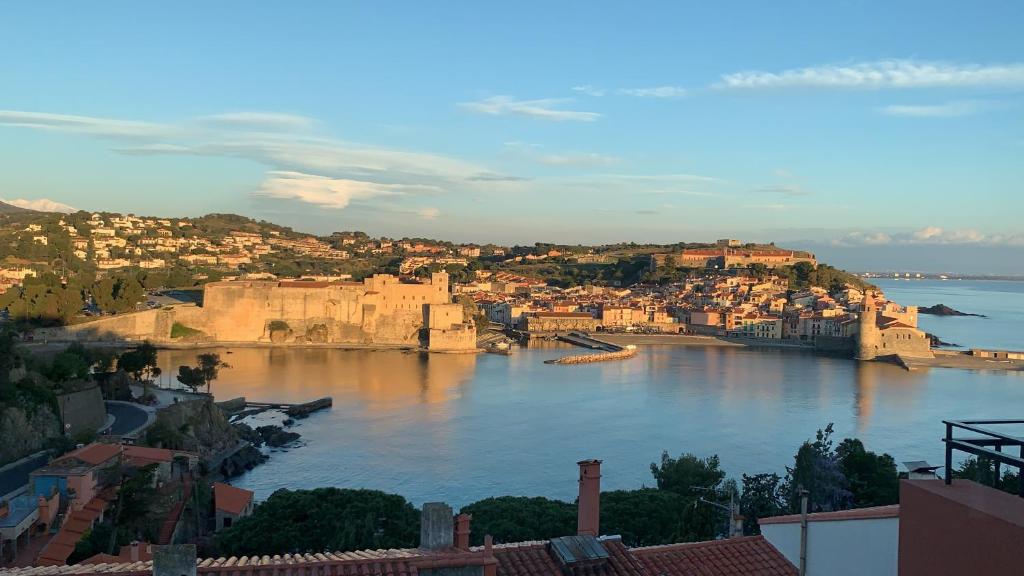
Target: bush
179	330
519	518
324	519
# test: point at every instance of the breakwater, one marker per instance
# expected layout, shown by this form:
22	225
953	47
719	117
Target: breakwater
622	354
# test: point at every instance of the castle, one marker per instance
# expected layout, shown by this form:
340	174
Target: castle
728	256
887	333
380	310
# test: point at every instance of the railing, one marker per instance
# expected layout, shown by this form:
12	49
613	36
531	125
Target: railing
989	446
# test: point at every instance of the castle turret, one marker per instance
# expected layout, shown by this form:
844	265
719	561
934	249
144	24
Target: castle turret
868	336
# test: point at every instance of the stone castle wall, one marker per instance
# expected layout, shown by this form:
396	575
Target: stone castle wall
379	310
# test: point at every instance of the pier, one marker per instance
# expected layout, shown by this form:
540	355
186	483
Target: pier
608	352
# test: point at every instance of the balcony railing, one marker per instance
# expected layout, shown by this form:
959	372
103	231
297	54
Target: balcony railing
988	445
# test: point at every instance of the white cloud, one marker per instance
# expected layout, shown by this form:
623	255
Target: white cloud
578	159
428	213
946	110
41	205
881	74
544	109
260	120
327	192
85	124
783	190
655	92
928	235
589	90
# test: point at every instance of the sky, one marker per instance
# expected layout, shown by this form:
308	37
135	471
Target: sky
881	135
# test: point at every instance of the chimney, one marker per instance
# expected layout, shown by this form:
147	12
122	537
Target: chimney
134	551
437	526
589	505
462	531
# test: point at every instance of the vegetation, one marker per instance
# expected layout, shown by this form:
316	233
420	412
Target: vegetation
204	374
983	471
519	518
179	330
323	519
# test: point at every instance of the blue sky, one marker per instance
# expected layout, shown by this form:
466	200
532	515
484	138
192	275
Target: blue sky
838	125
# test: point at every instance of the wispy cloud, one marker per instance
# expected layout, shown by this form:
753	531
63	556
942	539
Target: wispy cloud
928	235
428	213
259	120
544	109
578	159
655	92
946	110
95	126
881	74
41	205
589	90
782	190
325	191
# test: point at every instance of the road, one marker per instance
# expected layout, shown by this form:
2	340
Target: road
128	417
15	477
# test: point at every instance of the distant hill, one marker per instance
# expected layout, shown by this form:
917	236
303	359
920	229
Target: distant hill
6	208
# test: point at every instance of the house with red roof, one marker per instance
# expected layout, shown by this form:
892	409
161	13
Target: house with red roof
230	504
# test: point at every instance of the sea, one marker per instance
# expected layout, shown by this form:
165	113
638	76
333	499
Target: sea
459	428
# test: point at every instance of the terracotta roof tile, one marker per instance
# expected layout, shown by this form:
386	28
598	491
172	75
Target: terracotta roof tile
748	556
231	499
93	454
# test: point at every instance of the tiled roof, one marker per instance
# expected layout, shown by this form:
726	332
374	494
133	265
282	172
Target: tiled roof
230	499
142	455
536	559
58	549
93	454
874	512
747	556
751	556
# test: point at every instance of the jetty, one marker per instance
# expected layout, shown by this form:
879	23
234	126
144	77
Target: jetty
241	406
609	351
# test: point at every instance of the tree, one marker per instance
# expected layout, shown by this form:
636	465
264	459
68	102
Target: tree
762	498
520	518
681	475
983	471
324	519
872	478
644	517
204	374
140	362
816	469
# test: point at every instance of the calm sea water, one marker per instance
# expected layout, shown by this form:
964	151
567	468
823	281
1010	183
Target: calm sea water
459	428
1001	301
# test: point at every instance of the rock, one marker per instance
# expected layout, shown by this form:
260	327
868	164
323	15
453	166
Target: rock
245	459
304	410
288	422
246	432
943	310
937	342
276	437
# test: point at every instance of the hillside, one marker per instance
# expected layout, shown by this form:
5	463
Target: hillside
6	208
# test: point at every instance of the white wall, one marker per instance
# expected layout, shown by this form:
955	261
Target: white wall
841	547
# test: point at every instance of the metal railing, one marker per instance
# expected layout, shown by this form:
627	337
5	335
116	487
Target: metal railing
989	446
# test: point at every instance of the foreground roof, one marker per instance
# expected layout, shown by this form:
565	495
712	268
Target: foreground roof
750	556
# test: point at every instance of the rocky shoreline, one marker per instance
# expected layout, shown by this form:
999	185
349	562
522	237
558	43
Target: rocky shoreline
943	310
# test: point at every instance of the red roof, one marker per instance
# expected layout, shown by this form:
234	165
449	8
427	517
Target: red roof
230	499
537	559
143	455
874	512
93	454
747	556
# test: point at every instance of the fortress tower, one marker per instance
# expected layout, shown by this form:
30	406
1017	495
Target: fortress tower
868	335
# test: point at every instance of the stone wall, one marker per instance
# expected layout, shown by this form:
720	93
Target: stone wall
82	410
380	310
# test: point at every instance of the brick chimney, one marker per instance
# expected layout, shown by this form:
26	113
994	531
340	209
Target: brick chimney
437	527
462	531
589	505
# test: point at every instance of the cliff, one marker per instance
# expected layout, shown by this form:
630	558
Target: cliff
27	423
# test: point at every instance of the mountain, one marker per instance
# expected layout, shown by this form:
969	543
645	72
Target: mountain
6	208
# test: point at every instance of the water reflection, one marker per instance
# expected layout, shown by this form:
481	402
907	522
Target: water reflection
459	428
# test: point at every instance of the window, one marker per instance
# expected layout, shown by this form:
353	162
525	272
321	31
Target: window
227	521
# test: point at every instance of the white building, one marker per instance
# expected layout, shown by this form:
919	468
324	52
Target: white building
857	542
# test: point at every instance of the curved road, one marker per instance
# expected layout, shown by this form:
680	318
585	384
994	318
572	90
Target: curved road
128	417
